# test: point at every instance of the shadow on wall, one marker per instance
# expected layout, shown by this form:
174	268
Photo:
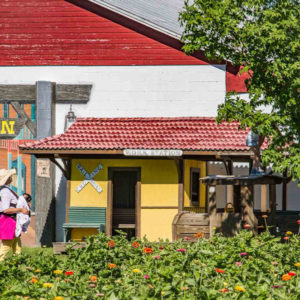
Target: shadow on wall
60	210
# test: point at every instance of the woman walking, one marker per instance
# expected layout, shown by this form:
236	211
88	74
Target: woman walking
8	211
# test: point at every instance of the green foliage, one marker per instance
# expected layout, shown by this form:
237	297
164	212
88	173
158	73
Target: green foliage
166	273
261	36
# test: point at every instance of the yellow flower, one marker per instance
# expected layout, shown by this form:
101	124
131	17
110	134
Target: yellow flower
57	271
196	261
162	293
225	283
239	288
48	285
214	228
297	264
37	271
136	271
184	288
58	298
289	233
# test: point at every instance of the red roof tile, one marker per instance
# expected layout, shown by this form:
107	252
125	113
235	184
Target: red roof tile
196	133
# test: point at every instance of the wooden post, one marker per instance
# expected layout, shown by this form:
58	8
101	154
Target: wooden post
284	192
247	205
237	198
212	207
263	198
180	170
272	201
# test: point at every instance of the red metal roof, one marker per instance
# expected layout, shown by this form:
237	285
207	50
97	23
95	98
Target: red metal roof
193	133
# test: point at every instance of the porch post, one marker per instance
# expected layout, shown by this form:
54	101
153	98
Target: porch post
263	198
180	169
212	207
272	201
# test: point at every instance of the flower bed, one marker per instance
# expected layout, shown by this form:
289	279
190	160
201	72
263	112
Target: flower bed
242	267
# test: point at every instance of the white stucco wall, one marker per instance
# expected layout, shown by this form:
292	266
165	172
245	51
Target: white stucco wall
133	91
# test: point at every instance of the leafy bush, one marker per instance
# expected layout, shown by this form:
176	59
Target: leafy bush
241	267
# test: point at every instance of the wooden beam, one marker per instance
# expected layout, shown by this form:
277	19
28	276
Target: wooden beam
23	115
65	93
75	93
272	202
63	169
17	92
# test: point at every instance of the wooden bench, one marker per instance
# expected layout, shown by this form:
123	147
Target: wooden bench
85	217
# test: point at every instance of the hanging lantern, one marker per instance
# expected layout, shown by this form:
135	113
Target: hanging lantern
252	139
70	118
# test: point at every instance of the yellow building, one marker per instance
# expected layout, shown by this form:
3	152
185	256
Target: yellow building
136	174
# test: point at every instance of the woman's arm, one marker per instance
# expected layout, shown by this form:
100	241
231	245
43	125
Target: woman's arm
12	210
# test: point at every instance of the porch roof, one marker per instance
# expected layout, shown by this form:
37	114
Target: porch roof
190	134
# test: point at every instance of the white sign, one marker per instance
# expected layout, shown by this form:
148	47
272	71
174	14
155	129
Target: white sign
152	152
43	168
89	178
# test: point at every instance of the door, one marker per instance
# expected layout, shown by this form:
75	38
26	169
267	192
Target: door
124	201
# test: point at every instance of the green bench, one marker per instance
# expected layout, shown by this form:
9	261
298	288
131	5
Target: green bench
85	217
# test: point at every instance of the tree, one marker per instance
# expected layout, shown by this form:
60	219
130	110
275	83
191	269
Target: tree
261	36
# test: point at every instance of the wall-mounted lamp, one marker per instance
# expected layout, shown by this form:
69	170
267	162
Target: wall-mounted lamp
70	118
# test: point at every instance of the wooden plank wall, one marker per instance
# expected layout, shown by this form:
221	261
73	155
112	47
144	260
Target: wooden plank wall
55	32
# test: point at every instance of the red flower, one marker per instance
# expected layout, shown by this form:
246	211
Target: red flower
220	271
247	226
286	238
135	245
292	273
69	273
161	248
224	290
110	244
298	222
147	250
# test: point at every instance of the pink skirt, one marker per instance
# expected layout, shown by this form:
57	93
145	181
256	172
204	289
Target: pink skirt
7	227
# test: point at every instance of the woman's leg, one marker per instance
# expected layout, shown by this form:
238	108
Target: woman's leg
17	246
6	246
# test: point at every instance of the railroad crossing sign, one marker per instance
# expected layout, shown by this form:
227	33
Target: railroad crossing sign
89	178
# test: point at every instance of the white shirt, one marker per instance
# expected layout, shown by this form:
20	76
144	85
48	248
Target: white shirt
7	198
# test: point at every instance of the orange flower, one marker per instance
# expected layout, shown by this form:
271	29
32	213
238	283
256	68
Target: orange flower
112	266
135	245
286	277
220	271
298	222
93	278
34	280
247	226
110	244
147	250
198	235
264	216
286	238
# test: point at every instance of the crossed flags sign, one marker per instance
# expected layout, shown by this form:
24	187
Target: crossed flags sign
89	178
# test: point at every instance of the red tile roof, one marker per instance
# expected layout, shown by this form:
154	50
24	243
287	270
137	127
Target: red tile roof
193	133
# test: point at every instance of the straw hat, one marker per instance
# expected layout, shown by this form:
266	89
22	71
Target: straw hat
5	174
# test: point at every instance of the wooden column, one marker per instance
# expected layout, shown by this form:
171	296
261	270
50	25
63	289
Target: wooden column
284	192
45	186
212	207
272	201
180	169
247	206
263	198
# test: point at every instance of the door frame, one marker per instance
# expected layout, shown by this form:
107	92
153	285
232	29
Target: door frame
110	197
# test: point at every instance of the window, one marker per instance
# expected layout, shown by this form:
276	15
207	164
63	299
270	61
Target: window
195	187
